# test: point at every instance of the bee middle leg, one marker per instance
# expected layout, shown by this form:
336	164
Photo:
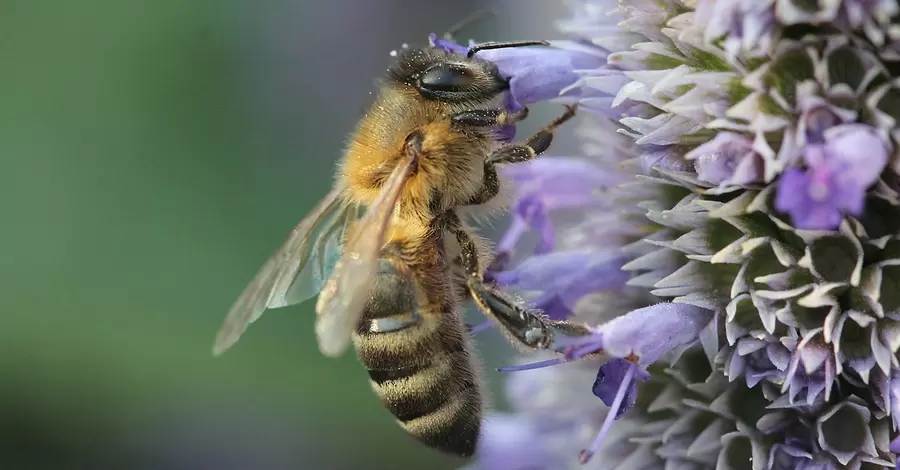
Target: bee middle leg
527	326
490	187
510	153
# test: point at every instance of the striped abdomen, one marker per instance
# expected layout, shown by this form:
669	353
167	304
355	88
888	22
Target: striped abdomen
419	365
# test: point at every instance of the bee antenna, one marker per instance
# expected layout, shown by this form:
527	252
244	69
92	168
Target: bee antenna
473	17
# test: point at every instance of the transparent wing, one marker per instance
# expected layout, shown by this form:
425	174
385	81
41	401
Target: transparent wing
303	256
325	253
344	296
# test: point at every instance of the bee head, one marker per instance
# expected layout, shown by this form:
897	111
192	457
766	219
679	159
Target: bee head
448	77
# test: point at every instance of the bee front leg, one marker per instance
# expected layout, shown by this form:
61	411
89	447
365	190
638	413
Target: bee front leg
526	326
488	118
534	145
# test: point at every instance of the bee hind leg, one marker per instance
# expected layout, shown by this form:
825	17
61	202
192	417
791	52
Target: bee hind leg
527	326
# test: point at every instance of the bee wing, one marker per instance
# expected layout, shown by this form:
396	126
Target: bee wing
314	235
343	298
318	266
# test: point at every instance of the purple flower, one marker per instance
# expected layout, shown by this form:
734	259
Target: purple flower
894	398
838	173
508	443
663	157
728	158
545	185
868	13
739	135
757	359
747	26
649	333
641	337
542	74
536	73
613	377
618	377
793	457
817	114
637	340
564	277
817	375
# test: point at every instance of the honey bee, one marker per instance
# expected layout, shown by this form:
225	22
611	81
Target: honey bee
391	278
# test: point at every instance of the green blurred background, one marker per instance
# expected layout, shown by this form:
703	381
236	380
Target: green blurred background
155	153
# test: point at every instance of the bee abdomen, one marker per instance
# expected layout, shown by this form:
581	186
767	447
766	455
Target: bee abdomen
419	364
393	294
438	403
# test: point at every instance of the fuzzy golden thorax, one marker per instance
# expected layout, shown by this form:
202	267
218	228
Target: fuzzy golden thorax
451	167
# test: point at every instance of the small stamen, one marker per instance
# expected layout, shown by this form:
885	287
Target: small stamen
533	365
586	454
579	346
577	352
580	83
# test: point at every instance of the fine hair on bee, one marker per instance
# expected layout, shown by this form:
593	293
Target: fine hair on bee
390	256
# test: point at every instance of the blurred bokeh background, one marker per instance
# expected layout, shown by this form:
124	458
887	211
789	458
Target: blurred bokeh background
154	155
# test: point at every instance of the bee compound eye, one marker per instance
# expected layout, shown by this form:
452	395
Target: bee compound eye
447	77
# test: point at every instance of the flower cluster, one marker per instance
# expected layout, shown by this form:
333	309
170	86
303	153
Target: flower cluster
731	237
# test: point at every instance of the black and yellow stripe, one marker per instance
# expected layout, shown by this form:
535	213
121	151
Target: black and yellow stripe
420	366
